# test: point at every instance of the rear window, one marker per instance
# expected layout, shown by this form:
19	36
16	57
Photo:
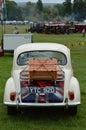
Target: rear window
24	57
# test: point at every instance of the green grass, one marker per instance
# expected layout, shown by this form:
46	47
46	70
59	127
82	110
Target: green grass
49	119
64	39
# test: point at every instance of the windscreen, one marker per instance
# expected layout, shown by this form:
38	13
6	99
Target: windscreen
23	58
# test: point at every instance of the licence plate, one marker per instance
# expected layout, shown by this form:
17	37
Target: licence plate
34	90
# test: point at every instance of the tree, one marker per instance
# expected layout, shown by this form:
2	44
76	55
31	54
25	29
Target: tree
29	10
75	6
85	8
38	11
60	9
79	9
13	11
39	6
75	9
67	7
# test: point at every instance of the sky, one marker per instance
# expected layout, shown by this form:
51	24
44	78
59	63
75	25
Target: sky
44	1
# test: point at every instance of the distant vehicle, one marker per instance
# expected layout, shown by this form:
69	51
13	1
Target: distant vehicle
80	26
18	22
42	76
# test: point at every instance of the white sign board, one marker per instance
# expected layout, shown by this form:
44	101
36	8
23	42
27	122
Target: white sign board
12	41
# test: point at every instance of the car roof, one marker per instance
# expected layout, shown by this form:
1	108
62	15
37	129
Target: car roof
41	46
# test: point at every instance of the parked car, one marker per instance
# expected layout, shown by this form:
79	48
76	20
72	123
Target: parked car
42	76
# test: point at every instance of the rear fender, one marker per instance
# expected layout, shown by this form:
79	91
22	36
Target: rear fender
74	86
9	87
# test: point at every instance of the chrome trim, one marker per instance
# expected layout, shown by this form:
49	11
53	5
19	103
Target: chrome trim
42	104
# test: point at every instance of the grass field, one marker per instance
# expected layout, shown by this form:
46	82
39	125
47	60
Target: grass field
49	119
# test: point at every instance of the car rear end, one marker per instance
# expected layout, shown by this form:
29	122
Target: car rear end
42	83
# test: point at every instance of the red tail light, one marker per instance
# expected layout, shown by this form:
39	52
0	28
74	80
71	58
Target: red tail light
12	96
71	95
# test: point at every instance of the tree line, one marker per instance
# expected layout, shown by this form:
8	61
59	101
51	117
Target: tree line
38	11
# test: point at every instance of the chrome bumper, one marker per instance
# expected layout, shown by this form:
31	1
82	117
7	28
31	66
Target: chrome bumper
41	104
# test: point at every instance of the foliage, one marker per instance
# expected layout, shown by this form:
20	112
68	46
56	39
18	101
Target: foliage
39	6
13	11
60	9
41	12
67	7
79	9
75	6
29	11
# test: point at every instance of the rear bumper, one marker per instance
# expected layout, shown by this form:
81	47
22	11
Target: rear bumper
41	104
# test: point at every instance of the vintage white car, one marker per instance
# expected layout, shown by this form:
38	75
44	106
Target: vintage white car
42	76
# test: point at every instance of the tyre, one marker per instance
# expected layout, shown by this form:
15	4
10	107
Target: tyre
72	110
11	110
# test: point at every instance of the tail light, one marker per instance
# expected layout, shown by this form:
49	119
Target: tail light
71	95
12	96
60	74
24	74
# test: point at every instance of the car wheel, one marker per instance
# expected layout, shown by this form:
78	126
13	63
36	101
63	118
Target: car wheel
72	110
11	110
